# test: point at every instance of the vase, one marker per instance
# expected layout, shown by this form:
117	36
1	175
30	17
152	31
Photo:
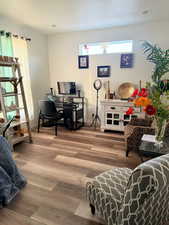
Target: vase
160	127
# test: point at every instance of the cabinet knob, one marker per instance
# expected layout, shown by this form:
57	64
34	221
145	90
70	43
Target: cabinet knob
113	107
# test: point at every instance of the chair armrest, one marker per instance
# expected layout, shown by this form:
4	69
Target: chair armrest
130	129
116	176
107	191
148	130
116	179
143	130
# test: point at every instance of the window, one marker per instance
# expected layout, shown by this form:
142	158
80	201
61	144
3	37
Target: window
100	48
6	49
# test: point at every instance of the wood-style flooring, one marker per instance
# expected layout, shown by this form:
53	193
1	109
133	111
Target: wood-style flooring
57	169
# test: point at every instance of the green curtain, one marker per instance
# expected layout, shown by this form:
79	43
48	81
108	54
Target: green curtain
6	49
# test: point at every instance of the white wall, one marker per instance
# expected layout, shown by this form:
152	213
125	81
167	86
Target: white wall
38	59
63	57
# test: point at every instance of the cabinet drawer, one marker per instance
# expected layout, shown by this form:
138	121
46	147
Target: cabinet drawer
124	109
113	108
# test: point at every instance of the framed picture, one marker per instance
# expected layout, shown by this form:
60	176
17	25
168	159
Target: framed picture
103	71
83	61
126	61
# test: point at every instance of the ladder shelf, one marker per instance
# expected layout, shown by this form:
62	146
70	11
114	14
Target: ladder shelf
17	127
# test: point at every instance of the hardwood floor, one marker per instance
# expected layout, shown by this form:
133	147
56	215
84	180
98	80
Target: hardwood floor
57	169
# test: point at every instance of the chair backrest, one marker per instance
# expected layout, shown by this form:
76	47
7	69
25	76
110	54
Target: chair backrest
141	122
47	107
146	200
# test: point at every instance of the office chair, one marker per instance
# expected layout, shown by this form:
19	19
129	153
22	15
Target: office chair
49	112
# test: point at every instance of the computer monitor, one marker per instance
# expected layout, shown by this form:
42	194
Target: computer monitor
66	88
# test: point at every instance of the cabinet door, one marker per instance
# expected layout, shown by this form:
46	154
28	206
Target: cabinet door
126	118
113	120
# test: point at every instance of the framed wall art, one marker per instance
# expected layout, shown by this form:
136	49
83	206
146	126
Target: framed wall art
83	61
103	71
126	61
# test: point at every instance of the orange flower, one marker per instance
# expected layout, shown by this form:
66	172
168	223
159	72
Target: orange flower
142	101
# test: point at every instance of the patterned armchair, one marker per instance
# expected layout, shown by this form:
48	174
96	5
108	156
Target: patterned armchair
139	197
134	131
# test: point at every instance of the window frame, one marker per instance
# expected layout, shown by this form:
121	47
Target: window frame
81	45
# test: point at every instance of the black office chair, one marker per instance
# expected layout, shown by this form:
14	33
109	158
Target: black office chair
49	112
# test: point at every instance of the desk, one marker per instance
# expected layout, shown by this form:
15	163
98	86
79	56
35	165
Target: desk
73	110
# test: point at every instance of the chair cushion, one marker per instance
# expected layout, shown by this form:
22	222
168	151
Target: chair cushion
106	192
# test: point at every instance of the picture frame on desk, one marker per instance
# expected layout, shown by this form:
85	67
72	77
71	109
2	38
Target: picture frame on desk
83	61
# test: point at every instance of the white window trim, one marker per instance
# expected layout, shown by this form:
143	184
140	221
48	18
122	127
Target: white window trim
104	44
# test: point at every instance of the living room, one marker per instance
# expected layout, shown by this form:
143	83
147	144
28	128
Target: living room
101	158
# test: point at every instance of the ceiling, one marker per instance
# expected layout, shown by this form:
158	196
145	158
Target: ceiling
74	15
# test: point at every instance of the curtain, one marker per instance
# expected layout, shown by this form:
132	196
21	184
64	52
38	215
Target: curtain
6	49
20	50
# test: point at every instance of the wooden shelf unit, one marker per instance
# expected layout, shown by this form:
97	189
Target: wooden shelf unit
15	80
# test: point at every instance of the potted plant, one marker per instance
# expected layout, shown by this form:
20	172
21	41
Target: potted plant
154	99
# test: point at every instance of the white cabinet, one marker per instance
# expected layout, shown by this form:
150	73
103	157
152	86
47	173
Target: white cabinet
113	114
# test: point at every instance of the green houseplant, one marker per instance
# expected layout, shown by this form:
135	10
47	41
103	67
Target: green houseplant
158	88
160	58
154	99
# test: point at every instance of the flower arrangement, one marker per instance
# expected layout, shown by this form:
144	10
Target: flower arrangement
140	99
154	99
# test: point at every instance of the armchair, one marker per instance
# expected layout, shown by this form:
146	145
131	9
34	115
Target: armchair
134	131
139	197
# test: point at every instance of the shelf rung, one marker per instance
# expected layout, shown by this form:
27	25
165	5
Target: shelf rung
11	94
14	140
8	79
17	108
9	64
17	123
